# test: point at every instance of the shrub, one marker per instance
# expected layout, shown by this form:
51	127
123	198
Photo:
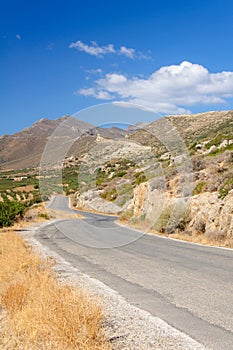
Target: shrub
200	225
226	188
184	221
120	174
110	195
140	178
125	189
9	210
127	215
199	188
198	163
44	216
161	224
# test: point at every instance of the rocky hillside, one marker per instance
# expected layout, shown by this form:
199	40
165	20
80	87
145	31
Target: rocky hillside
209	209
193	129
140	178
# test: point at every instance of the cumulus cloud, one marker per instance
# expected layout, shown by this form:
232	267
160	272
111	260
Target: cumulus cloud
99	51
170	89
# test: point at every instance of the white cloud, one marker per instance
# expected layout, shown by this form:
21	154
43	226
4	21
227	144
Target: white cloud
112	81
127	52
94	49
18	36
99	51
99	94
94	71
171	89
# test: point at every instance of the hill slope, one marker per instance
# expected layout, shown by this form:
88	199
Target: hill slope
24	149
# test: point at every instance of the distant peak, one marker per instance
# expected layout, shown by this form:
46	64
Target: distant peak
64	117
41	121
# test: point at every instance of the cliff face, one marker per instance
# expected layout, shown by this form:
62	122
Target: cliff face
212	216
205	214
147	203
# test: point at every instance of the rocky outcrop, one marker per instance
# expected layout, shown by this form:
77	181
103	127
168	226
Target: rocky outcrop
204	214
92	201
211	215
147	201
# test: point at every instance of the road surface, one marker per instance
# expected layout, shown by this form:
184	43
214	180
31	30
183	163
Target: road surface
187	285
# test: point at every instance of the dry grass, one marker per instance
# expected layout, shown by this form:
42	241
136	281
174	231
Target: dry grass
39	212
197	238
194	237
37	311
59	214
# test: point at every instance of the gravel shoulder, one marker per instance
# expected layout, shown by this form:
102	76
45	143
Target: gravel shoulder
126	326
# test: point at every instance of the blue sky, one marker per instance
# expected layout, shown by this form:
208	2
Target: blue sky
58	57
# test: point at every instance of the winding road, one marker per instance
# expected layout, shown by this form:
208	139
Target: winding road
187	285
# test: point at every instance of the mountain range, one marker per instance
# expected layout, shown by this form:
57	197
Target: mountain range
24	149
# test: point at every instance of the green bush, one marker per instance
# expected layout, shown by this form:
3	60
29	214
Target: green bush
120	174
127	214
199	188
216	141
110	195
226	188
161	224
140	178
9	210
126	188
44	216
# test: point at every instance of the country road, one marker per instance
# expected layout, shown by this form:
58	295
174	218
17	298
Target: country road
189	286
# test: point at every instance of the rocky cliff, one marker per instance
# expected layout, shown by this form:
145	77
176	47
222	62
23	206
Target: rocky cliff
204	214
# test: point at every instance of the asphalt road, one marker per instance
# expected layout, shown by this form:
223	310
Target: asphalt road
187	285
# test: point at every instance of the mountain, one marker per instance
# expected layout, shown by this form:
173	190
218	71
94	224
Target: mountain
24	149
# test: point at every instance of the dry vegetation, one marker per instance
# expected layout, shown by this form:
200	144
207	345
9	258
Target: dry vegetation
197	237
39	212
37	311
